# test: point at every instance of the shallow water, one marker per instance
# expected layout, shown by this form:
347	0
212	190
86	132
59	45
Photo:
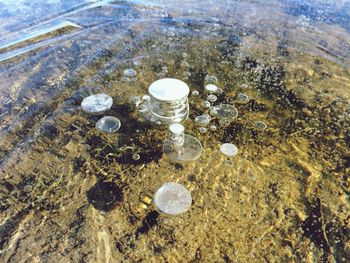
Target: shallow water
70	193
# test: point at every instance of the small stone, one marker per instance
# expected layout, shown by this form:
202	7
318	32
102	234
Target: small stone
229	149
244	86
172	199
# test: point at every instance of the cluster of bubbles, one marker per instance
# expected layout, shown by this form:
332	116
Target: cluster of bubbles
174	198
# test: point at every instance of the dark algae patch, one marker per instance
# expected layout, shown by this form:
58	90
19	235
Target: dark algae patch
105	196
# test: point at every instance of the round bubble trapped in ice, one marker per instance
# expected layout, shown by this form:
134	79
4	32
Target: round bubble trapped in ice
129	73
229	149
172	199
108	124
97	103
226	112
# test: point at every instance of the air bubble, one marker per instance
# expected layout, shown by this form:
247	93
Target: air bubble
226	112
213	128
195	93
206	104
212	98
202	120
180	146
136	157
172	199
97	103
229	149
187	74
108	124
260	125
211	88
203	130
129	73
210	79
242	98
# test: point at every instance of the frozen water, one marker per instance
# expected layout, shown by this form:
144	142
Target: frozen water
172	199
97	103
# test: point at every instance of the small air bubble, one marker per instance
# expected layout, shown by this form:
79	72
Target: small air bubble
260	125
136	157
242	98
129	73
203	130
195	93
213	128
212	98
206	104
